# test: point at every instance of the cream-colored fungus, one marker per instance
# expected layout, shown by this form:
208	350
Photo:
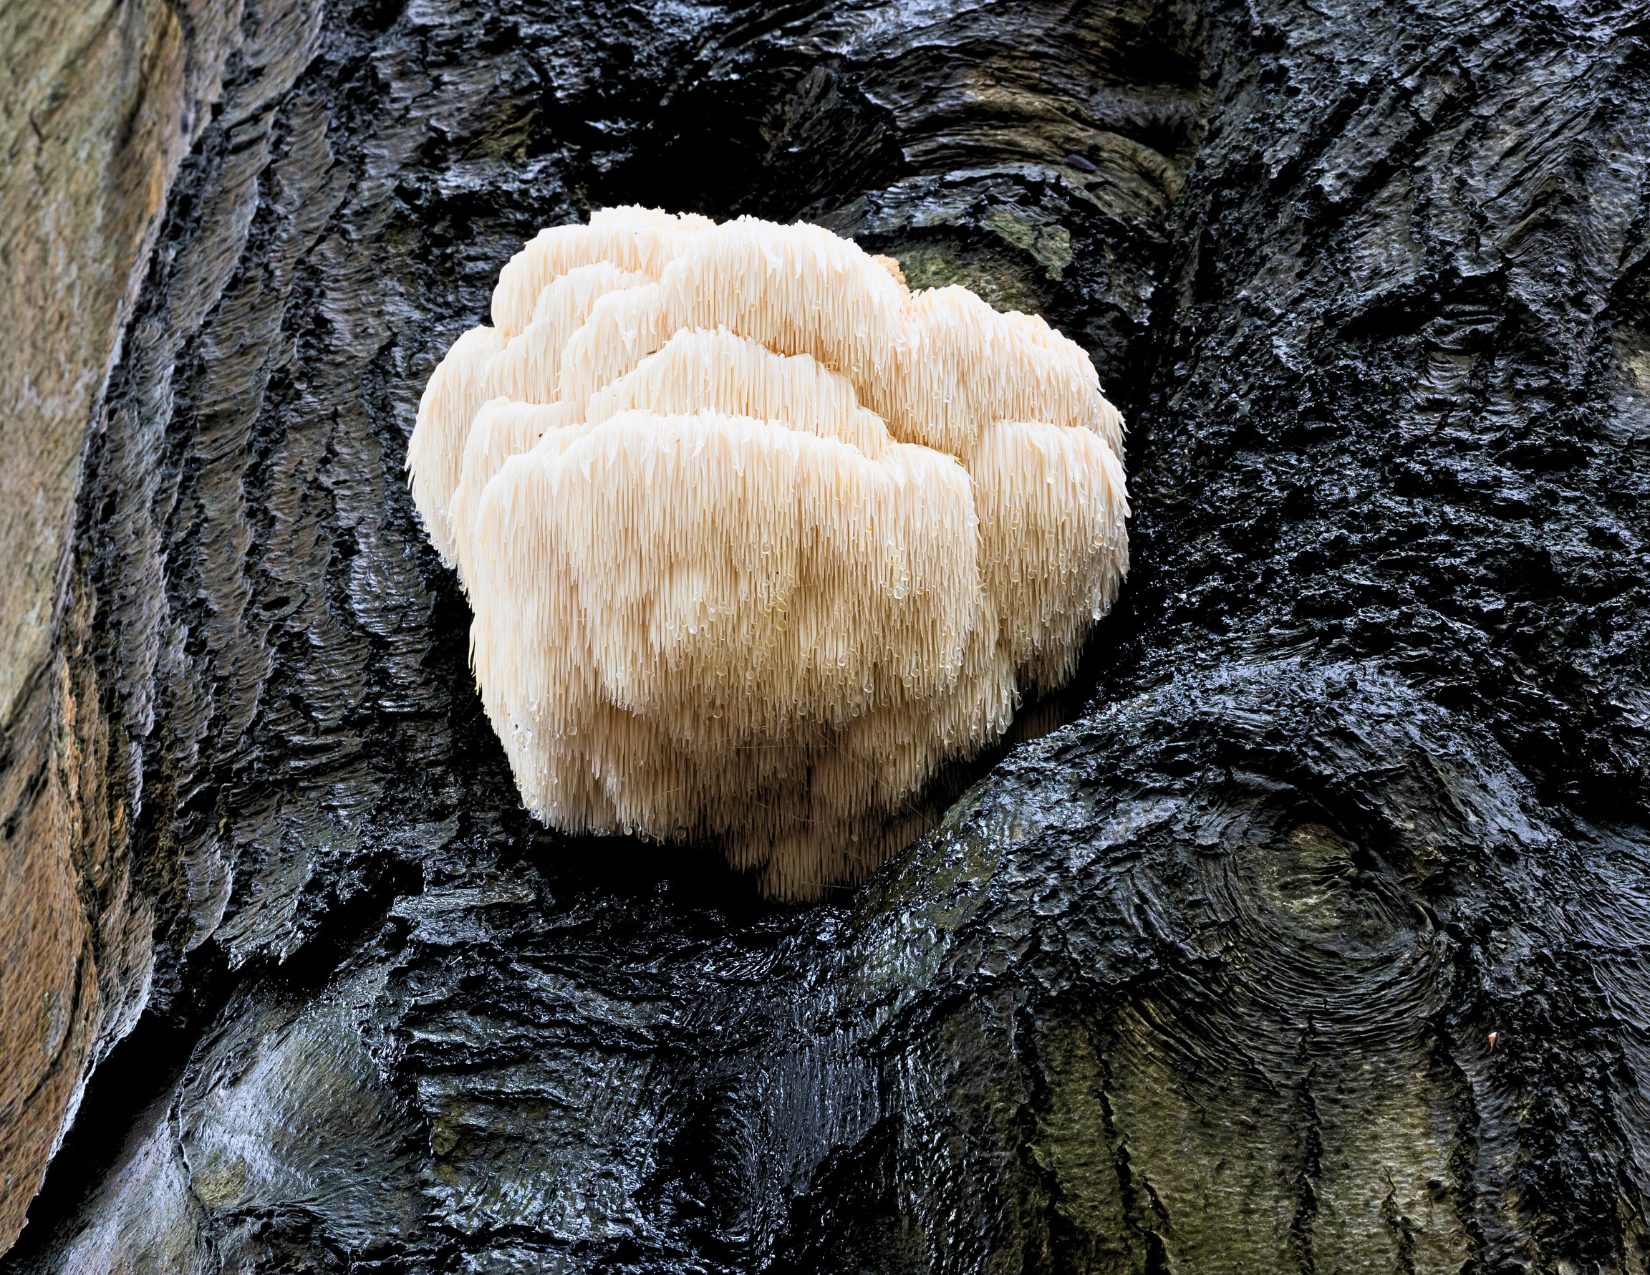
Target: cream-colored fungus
757	539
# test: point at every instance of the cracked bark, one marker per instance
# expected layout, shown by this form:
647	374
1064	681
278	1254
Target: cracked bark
1198	975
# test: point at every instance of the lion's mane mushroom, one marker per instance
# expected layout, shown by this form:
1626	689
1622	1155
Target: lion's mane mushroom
755	537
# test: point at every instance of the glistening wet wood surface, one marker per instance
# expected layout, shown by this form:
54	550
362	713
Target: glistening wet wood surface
1203	980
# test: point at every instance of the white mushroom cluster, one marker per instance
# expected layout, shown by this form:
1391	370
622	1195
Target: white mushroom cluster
756	538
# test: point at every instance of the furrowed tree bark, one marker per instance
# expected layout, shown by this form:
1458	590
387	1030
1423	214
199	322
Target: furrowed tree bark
101	102
1307	931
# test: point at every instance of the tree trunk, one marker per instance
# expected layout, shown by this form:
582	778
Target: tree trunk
1307	931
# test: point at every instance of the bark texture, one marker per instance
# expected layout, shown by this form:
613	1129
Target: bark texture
1307	932
99	104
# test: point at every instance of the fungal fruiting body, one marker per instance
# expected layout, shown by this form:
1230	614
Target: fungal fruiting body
756	538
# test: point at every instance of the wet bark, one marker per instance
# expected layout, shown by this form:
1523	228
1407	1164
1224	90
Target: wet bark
1307	931
99	103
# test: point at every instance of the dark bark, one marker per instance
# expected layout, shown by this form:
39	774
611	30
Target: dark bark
1315	939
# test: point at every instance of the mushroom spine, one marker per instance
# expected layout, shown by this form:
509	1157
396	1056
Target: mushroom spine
755	537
